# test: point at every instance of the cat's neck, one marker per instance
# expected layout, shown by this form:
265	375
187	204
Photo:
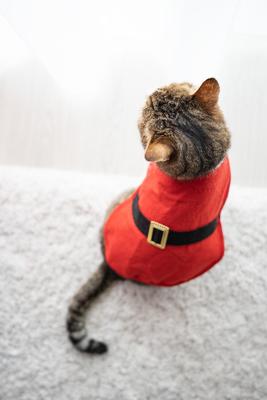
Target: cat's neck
175	177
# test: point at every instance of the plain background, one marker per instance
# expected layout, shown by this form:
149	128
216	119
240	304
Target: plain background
74	76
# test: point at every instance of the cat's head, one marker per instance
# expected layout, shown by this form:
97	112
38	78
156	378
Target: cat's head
183	130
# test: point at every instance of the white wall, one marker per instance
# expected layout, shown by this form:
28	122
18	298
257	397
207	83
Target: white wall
74	75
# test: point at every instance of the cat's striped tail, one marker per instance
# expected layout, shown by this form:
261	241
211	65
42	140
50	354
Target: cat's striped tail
79	305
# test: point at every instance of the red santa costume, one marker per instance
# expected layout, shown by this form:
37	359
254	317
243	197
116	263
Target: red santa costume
168	231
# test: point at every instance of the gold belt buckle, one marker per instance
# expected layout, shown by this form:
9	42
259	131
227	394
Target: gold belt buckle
165	233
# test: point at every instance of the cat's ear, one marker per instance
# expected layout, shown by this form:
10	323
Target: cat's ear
158	151
208	93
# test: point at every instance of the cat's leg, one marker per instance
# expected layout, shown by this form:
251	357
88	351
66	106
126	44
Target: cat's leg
80	303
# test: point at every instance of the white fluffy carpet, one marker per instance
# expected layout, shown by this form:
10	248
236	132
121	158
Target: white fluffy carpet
203	340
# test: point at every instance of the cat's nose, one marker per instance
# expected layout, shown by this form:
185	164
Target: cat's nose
149	155
158	152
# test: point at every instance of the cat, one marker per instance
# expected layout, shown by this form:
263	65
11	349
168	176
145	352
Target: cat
184	134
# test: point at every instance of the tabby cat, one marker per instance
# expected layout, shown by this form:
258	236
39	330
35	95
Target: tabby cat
183	131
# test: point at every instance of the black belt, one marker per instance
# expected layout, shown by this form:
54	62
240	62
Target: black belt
160	235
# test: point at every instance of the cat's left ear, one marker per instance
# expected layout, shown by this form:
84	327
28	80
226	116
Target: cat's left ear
208	93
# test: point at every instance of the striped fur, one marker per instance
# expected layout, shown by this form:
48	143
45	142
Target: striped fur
190	123
96	284
86	295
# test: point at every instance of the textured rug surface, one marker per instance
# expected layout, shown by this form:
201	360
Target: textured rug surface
206	339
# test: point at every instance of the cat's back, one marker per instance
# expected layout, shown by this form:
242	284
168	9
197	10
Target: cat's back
180	205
